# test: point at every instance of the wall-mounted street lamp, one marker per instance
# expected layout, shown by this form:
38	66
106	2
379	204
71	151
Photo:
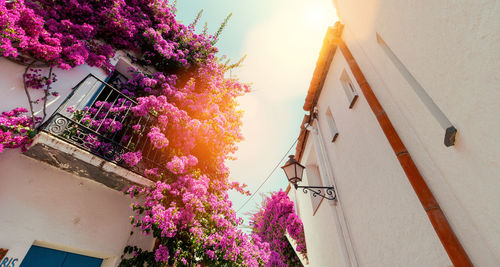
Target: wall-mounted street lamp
294	171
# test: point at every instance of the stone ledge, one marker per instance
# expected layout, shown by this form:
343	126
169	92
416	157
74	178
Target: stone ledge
67	157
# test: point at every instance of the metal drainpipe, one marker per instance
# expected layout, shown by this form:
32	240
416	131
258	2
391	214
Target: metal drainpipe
448	239
338	213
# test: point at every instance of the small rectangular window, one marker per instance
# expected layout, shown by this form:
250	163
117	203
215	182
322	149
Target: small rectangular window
334	132
349	88
314	179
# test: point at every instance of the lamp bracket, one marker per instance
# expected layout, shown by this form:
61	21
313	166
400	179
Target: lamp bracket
327	192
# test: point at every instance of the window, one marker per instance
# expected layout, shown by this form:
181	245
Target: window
334	132
120	75
349	88
314	179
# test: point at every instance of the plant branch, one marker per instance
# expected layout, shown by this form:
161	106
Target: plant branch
221	28
27	93
46	94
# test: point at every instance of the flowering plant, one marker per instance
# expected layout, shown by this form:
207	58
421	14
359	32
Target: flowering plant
276	217
188	209
69	33
196	126
15	129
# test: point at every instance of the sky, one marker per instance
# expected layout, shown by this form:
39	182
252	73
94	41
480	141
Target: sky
282	40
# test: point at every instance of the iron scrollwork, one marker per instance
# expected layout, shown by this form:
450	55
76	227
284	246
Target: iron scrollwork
80	121
327	192
58	125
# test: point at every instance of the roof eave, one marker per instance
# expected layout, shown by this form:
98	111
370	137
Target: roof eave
330	41
332	38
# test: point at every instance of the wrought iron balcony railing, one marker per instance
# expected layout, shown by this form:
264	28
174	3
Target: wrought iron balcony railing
97	117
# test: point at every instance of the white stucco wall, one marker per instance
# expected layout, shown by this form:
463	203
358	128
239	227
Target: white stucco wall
451	48
322	239
387	224
43	205
14	96
40	204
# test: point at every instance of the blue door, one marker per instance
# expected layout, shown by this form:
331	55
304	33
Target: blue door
46	257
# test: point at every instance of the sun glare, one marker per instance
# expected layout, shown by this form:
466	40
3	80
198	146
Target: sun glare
320	15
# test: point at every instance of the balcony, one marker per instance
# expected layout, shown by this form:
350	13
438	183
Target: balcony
92	130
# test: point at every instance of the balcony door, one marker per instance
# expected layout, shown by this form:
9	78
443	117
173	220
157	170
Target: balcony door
105	93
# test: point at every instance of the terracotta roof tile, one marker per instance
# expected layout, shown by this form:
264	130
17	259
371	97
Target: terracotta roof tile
332	38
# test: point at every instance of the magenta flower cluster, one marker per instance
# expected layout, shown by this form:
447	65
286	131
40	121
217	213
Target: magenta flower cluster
69	33
15	129
132	158
189	207
276	217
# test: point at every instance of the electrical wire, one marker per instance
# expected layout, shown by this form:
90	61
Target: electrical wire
269	176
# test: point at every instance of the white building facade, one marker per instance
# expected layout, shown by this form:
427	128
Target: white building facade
403	114
61	205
